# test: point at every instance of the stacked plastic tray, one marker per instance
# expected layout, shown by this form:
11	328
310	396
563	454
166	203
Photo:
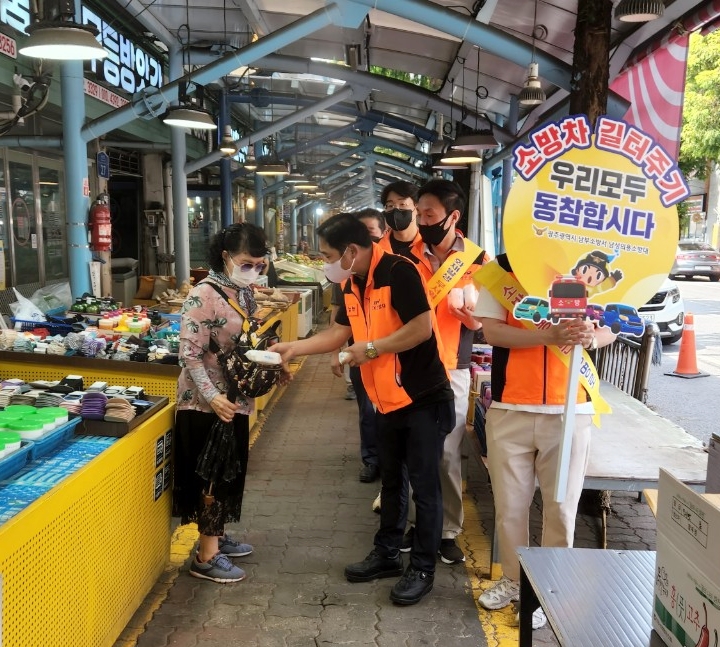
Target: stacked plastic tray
38	466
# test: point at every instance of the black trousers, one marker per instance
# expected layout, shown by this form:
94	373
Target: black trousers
413	437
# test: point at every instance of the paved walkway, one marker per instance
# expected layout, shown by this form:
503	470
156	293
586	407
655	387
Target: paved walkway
307	515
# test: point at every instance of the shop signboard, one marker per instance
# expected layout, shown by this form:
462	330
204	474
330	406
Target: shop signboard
127	66
8	46
103	165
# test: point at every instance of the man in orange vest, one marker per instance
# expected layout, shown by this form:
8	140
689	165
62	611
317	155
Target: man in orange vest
399	201
447	263
387	312
524	428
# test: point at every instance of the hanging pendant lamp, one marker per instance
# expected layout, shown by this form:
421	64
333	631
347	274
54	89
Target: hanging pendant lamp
639	10
227	143
62	39
532	93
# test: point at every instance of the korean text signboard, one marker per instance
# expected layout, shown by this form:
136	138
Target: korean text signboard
590	225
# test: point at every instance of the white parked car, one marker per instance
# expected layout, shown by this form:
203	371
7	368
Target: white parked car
667	310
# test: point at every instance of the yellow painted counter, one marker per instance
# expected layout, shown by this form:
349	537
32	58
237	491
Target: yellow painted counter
78	562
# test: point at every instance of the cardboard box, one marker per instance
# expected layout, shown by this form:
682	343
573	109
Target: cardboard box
713	474
686	600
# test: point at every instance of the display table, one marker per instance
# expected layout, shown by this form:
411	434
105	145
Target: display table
592	597
78	561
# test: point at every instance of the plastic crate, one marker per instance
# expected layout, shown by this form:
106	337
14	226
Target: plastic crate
46	444
10	465
52	328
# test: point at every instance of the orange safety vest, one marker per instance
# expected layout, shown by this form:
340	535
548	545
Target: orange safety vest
456	338
528	375
392	380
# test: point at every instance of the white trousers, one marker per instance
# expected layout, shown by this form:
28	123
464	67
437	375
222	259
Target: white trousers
524	446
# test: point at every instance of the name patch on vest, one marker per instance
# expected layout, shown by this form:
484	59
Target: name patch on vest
377	304
352	310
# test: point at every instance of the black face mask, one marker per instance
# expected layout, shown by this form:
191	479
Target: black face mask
375	239
399	219
434	234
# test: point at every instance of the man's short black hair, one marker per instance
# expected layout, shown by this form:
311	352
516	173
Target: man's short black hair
402	188
344	229
449	193
369	212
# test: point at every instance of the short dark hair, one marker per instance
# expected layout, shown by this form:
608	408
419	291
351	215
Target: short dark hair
242	237
369	212
344	229
402	188
449	193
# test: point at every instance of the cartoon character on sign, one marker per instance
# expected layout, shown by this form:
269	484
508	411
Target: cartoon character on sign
595	272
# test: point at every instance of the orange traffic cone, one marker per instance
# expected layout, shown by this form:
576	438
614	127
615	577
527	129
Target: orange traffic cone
687	362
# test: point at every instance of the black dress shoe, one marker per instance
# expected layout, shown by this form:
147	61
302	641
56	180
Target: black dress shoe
412	586
373	567
369	473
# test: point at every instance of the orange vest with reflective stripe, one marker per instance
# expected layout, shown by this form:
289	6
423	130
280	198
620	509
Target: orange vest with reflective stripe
389	385
452	331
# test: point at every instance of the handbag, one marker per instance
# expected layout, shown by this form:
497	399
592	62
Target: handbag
243	376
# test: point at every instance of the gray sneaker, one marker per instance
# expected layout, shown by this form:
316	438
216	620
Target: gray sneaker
228	546
218	569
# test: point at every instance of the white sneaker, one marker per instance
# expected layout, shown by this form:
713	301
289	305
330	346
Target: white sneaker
376	504
504	593
539	620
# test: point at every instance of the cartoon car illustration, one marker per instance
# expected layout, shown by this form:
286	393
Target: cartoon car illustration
568	298
532	308
622	318
593	311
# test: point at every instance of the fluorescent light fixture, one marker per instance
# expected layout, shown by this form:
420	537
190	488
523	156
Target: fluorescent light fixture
296	178
272	167
306	186
460	157
532	94
639	10
481	140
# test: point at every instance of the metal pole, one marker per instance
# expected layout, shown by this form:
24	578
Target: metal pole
226	214
293	230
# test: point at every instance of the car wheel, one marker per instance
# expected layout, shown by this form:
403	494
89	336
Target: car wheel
536	317
601	322
672	339
715	277
616	327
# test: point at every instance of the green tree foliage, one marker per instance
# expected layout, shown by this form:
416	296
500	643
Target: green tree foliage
700	139
416	79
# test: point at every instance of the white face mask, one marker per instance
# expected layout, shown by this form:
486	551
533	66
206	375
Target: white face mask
241	277
335	272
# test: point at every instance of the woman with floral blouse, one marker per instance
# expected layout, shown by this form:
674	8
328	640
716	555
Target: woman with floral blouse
236	256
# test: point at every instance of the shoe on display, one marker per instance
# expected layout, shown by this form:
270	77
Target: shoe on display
412	586
408	539
228	546
539	620
504	593
369	473
373	567
450	552
218	569
376	504
350	393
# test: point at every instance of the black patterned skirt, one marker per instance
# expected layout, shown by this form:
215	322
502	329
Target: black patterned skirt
191	432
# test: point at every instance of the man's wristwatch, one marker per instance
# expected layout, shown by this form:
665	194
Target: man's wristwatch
371	351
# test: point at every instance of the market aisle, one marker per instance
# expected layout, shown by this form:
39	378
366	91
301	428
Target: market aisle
307	516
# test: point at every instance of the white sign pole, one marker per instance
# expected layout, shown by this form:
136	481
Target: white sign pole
568	424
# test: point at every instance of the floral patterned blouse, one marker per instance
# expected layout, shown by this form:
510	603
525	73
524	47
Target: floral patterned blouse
204	314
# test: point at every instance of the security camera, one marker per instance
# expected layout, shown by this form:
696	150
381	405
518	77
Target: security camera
21	82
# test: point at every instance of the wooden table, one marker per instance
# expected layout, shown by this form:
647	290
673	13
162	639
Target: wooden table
591	597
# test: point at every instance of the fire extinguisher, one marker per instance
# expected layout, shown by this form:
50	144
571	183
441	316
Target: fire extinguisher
100	227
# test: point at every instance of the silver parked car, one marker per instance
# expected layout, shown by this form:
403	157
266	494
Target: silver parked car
696	258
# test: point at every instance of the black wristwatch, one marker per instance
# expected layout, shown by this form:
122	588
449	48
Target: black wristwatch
371	351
